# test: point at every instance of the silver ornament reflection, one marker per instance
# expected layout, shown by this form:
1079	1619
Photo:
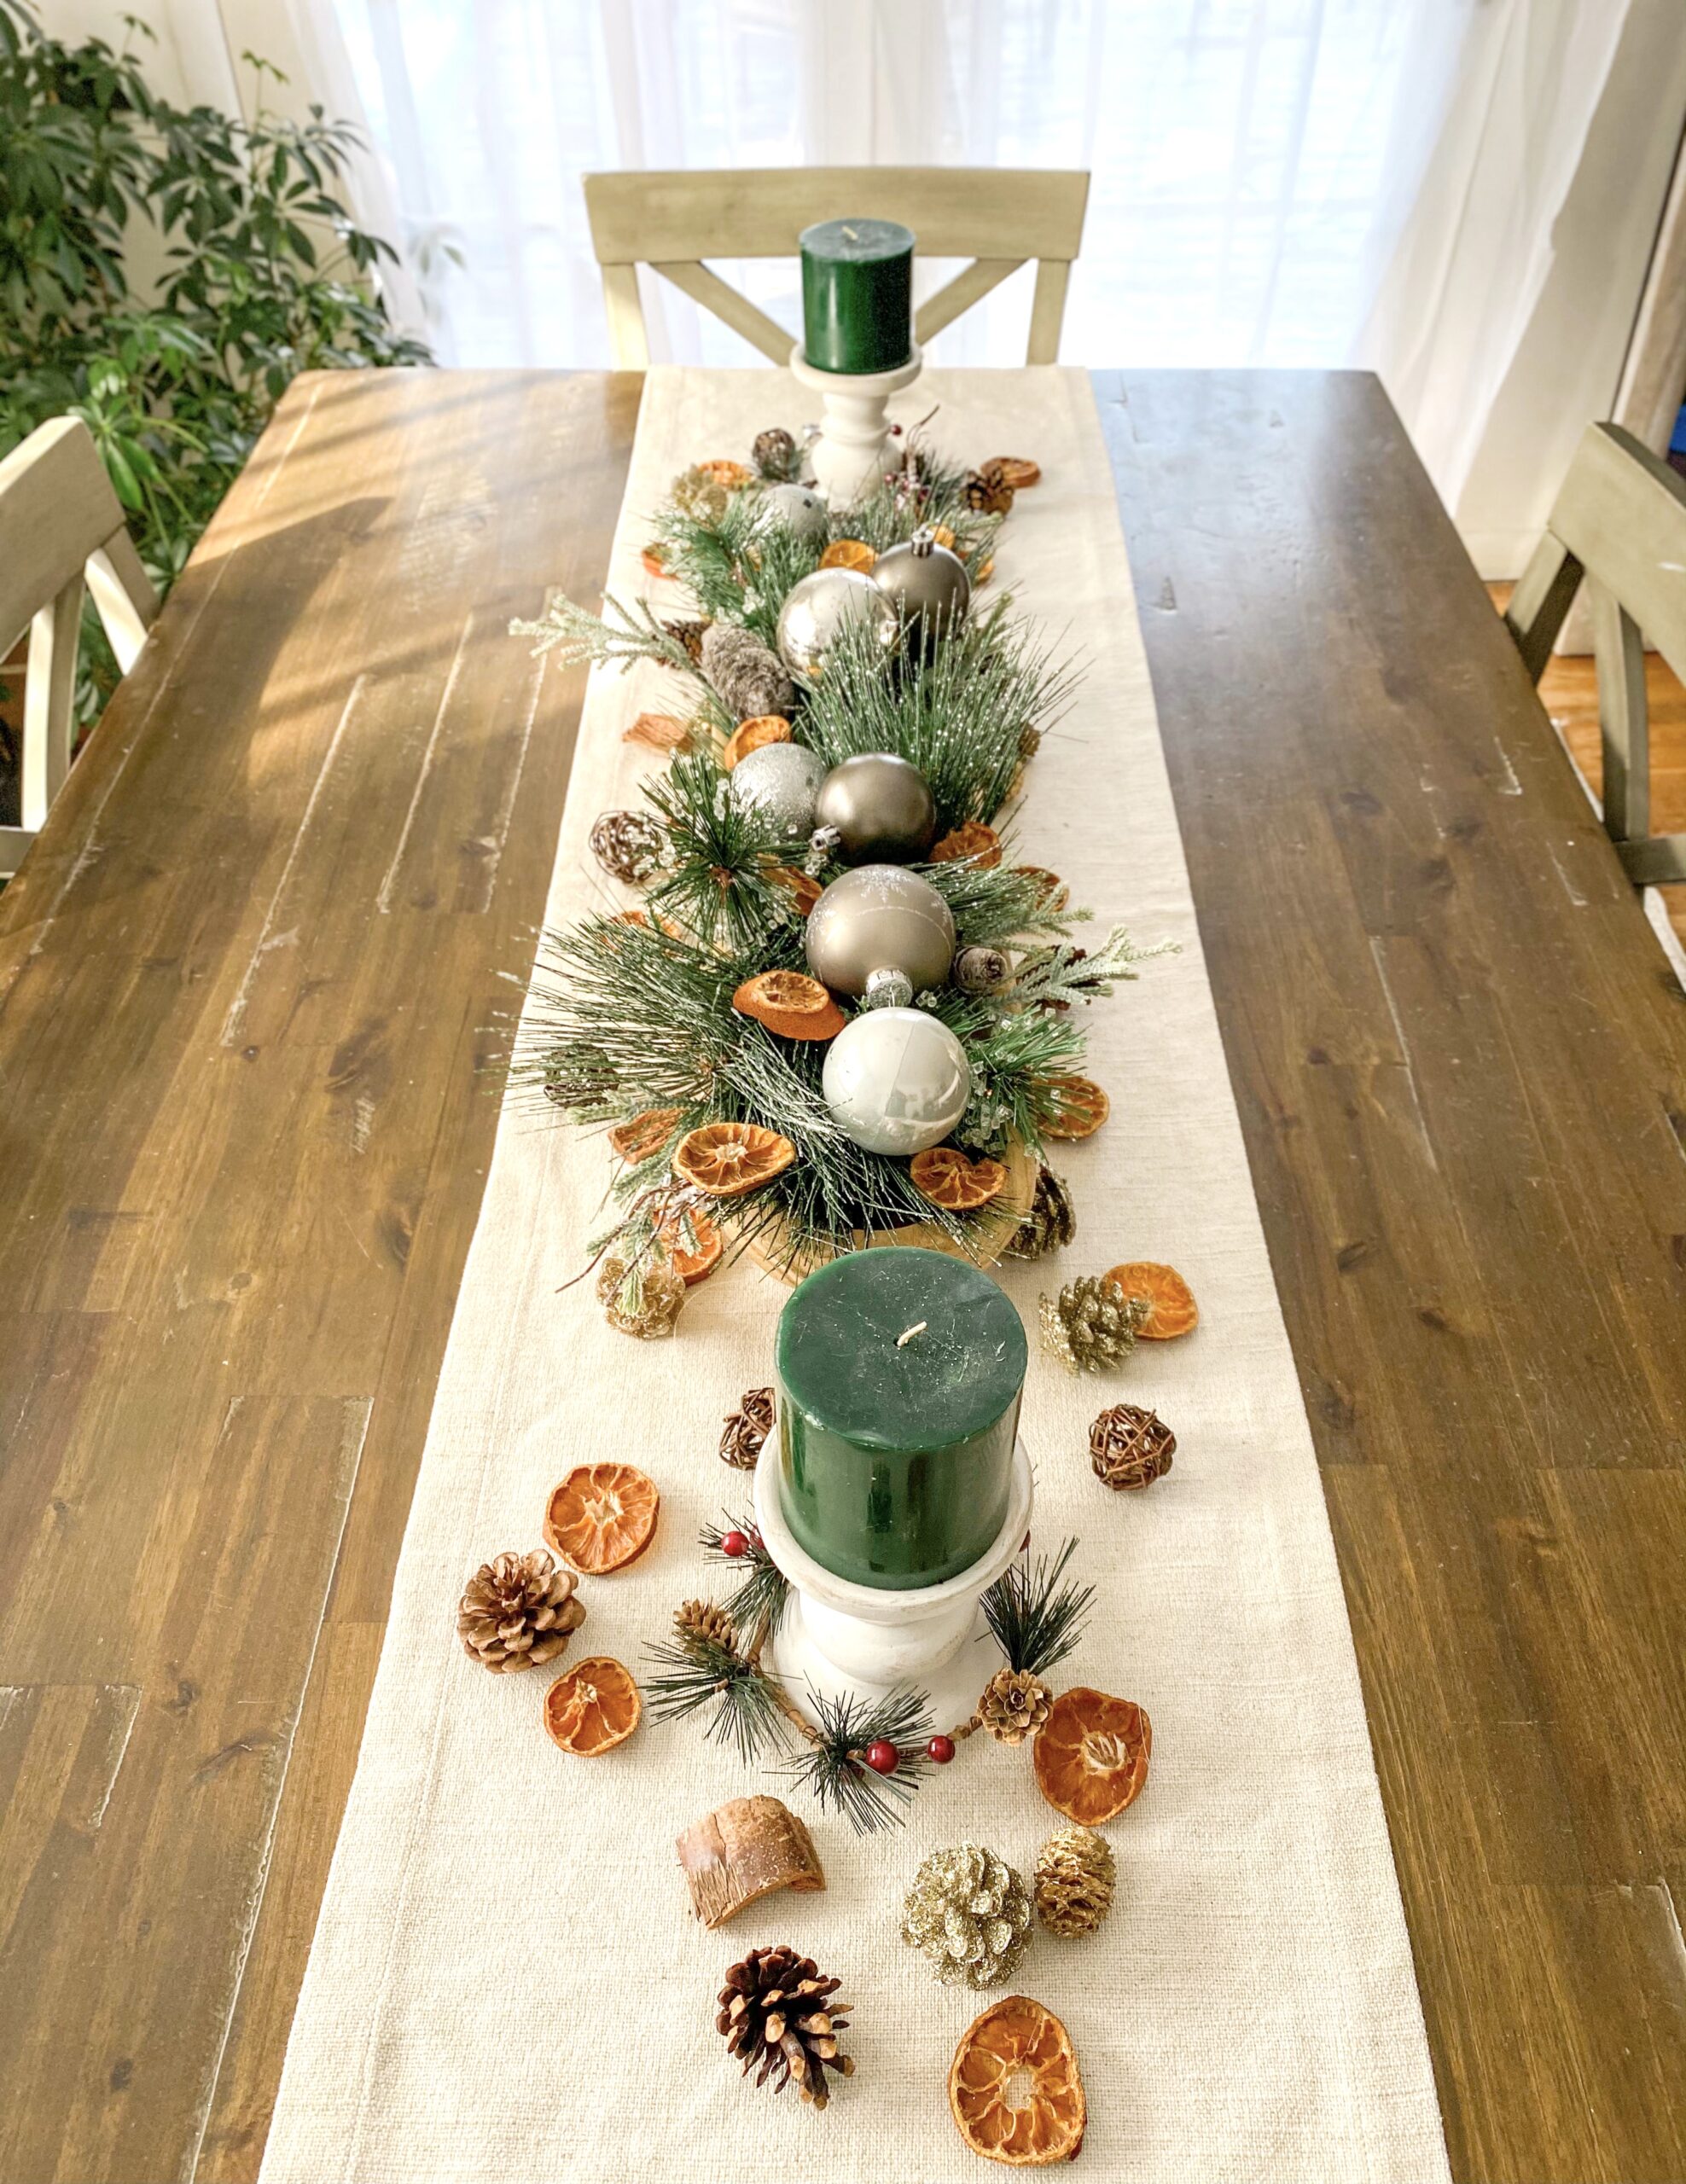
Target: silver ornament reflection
897	1080
880	917
926	584
819	608
780	779
881	807
795	508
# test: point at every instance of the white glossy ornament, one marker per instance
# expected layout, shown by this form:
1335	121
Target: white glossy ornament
877	918
897	1080
819	609
783	780
795	508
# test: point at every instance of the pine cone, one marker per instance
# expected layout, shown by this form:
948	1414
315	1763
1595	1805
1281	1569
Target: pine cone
519	1611
690	635
1014	1701
987	490
747	1428
775	455
748	676
1051	1222
644	1300
774	2007
699	497
628	845
707	1620
1091	1324
1129	1447
1073	1885
969	1914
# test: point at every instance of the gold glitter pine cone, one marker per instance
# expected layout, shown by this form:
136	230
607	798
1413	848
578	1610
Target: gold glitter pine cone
1075	1876
968	1914
643	1300
1091	1324
519	1611
1014	1705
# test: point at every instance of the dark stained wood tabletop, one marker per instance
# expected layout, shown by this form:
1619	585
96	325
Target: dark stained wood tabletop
257	984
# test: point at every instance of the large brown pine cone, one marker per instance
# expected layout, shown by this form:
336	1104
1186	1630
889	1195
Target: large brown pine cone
1014	1703
777	2009
1051	1222
519	1611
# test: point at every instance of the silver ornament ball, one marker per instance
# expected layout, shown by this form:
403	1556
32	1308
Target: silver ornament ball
897	1080
881	807
880	917
795	508
783	780
819	609
926	584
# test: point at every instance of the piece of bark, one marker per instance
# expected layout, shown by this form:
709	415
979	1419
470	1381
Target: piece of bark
742	1851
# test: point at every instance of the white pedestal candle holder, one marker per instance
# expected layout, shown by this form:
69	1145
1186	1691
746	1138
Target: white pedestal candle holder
848	457
843	1640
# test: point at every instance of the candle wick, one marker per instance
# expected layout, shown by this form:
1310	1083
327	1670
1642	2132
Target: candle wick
907	1335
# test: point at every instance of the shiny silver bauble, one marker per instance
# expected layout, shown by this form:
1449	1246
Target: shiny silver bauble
897	1080
881	808
795	508
926	584
783	780
880	917
819	609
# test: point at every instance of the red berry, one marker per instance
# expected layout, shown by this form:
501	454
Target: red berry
941	1749
882	1756
734	1544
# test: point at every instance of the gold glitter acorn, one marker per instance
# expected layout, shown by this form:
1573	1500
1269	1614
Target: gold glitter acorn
1015	1703
1074	1880
969	1914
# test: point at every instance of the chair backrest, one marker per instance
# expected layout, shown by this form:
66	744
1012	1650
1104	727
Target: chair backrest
61	529
998	218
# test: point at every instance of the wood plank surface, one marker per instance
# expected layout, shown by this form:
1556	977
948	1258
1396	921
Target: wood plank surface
1460	1057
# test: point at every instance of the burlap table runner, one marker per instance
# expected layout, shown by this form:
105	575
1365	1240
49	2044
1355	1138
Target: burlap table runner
505	1981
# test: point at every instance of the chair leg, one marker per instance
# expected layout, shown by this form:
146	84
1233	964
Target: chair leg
1623	720
50	702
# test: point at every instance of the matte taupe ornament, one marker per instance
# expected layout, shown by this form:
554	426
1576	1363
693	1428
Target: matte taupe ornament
880	918
795	508
818	609
783	780
926	584
881	808
897	1080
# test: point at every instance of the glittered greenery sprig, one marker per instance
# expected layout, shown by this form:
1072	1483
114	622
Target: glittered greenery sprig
621	635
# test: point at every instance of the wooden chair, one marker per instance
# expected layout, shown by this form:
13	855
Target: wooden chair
999	218
62	528
1619	525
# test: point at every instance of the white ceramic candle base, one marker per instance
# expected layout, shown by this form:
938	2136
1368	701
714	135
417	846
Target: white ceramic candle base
848	457
843	1640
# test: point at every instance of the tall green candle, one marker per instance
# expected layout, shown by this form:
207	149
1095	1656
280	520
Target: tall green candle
857	295
899	1373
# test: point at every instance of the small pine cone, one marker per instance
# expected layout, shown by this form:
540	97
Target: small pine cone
1074	1880
699	497
968	1913
1015	1703
748	676
777	2009
708	1621
519	1611
642	1299
775	455
747	1428
1051	1222
690	635
1091	1324
628	845
1129	1447
987	490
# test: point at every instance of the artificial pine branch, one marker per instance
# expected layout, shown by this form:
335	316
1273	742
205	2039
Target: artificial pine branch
1036	1614
1058	975
718	877
999	905
763	1592
834	1770
736	566
621	634
693	1671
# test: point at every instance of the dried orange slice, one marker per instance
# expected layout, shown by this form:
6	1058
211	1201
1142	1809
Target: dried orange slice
942	536
1080	1107
728	1159
849	554
791	1003
1015	2090
642	918
593	1708
1091	1754
944	1176
984	574
692	1265
971	839
806	889
660	731
721	470
1054	891
1172	1309
654	559
635	1140
751	735
602	1516
1017	471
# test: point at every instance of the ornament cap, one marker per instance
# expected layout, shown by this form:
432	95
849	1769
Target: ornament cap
921	541
888	987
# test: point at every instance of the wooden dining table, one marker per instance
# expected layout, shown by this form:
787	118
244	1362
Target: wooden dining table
258	980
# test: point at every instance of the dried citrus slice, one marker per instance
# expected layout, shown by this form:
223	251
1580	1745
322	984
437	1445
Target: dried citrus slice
1172	1309
1017	470
983	575
727	1160
791	1003
971	839
942	536
806	889
654	559
944	1176
1091	1754
602	1516
751	735
692	1264
1014	2089
660	731
723	471
849	554
1080	1107
593	1708
637	1139
1054	892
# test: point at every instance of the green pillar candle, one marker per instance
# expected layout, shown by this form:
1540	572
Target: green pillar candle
857	295
899	1373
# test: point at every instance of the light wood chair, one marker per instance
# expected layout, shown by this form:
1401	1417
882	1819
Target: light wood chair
1619	525
998	218
61	529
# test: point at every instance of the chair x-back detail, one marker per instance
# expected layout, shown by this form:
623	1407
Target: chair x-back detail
61	529
998	218
1619	526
